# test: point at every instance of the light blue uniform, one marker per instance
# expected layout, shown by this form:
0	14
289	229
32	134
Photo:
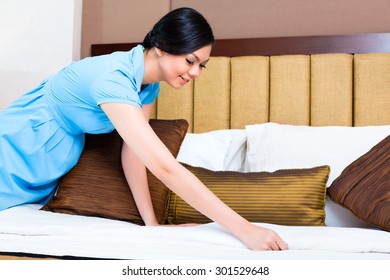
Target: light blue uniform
42	132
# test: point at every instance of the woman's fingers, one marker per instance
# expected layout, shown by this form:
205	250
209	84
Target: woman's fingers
281	244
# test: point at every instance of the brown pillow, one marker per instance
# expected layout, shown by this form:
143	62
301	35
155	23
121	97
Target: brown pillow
287	197
364	186
96	186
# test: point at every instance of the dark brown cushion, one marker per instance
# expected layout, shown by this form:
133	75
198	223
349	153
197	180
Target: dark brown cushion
96	186
364	186
287	197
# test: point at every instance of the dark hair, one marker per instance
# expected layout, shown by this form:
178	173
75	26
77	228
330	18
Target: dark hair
181	31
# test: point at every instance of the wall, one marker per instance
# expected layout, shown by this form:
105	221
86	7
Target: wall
273	18
38	37
113	21
117	21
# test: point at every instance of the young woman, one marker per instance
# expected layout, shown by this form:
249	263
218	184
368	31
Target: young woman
42	133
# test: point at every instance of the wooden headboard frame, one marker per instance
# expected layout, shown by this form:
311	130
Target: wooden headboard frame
355	43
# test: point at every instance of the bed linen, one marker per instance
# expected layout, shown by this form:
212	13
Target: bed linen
26	229
29	230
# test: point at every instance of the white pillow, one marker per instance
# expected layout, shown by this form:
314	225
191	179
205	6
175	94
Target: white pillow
215	150
274	146
236	153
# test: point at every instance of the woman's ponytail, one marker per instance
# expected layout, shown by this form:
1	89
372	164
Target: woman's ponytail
148	40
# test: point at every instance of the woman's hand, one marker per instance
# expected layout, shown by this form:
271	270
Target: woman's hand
259	239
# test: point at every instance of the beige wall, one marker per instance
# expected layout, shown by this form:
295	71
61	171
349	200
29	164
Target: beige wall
118	21
109	21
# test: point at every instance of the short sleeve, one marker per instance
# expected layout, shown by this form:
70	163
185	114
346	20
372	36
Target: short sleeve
149	94
117	87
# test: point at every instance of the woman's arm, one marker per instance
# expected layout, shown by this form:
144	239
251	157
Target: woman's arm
140	137
135	173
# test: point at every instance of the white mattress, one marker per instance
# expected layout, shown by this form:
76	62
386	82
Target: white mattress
26	229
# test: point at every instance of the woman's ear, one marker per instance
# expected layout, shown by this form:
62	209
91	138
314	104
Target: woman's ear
159	52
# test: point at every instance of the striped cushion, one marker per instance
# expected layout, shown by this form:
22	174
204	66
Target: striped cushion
286	197
364	186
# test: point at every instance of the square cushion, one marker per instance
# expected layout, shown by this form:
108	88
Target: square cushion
96	186
364	186
286	197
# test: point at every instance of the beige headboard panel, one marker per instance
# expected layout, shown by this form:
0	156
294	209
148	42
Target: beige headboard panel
322	89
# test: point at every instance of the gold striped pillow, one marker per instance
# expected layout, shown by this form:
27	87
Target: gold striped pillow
286	197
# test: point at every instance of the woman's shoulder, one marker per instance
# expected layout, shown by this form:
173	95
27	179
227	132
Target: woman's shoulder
114	59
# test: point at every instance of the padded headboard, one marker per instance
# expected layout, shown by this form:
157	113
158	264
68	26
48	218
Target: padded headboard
315	80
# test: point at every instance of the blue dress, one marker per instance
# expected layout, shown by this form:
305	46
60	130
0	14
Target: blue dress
42	132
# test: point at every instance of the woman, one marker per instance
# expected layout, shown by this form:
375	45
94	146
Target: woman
42	133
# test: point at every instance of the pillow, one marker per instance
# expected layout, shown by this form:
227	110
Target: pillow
286	197
364	186
236	152
274	146
96	186
215	150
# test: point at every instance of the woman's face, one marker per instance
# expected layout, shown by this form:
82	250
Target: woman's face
179	70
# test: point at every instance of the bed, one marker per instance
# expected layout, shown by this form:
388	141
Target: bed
262	105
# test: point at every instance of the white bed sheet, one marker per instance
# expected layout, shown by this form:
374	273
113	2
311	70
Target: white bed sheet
26	229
